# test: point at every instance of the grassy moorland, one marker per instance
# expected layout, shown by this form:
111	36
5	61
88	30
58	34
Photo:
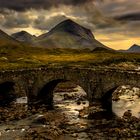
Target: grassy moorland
15	57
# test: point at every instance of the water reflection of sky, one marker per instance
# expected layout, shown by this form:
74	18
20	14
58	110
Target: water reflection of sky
70	106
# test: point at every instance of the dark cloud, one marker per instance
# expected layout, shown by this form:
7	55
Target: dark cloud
46	24
21	5
12	19
129	17
18	23
119	7
125	15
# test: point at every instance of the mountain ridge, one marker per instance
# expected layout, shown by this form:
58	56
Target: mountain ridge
66	34
69	34
71	27
6	39
134	48
24	36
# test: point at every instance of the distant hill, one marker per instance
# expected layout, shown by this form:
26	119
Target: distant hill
69	34
24	36
6	40
101	49
134	48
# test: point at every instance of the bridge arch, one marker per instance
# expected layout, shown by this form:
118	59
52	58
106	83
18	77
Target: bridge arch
46	93
107	96
106	99
7	93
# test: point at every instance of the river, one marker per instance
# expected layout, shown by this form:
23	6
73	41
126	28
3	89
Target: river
82	122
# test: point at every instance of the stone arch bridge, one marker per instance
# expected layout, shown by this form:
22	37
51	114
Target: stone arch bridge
39	83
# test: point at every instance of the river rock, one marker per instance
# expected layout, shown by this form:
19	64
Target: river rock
127	114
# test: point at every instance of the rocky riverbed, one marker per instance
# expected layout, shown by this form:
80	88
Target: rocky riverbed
126	98
71	119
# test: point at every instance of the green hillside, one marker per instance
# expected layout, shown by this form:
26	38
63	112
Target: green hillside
14	57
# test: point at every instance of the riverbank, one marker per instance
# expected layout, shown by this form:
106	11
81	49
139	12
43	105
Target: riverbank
71	119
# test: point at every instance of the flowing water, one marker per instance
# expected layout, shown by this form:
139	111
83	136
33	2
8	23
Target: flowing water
129	99
72	105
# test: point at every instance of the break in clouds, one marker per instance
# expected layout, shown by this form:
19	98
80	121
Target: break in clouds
101	16
22	5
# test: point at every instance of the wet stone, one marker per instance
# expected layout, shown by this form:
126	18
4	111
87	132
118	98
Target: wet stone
67	121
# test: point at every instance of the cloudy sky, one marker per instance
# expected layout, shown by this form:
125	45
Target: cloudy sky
116	23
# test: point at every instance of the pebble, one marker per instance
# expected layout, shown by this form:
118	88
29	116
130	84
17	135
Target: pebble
74	135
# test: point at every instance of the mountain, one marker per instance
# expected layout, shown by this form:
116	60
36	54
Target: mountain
69	34
24	36
134	49
69	26
6	40
101	49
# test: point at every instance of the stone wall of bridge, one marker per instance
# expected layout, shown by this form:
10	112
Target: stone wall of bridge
97	83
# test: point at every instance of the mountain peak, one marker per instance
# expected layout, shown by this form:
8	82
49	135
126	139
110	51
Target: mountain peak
72	28
68	21
23	32
135	45
134	48
23	36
